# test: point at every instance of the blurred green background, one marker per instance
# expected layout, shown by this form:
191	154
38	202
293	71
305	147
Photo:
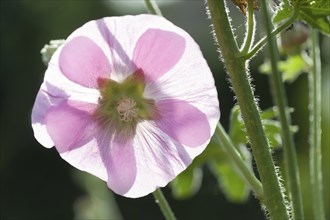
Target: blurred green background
37	184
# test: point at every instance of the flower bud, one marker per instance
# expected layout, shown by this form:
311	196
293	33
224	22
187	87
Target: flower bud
49	49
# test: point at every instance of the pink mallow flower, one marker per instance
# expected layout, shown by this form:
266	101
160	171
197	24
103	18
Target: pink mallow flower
128	99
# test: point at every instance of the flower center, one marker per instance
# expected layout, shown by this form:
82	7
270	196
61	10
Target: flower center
122	105
127	109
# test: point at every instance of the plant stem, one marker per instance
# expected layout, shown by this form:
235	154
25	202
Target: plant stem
290	156
164	207
223	140
250	29
273	196
152	7
276	31
315	130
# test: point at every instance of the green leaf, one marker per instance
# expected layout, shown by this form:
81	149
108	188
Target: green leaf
265	68
272	127
212	151
292	67
269	113
273	132
236	127
187	183
315	13
230	180
283	12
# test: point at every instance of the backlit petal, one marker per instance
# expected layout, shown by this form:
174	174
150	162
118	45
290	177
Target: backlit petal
72	129
158	160
157	51
68	125
47	97
121	165
83	62
183	122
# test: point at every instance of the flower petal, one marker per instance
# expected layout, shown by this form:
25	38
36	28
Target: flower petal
40	107
44	101
183	122
83	62
157	51
71	127
158	159
67	124
121	166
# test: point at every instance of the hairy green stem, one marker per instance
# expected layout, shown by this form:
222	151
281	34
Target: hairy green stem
164	207
315	130
290	156
276	31
236	67
250	29
223	140
152	7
